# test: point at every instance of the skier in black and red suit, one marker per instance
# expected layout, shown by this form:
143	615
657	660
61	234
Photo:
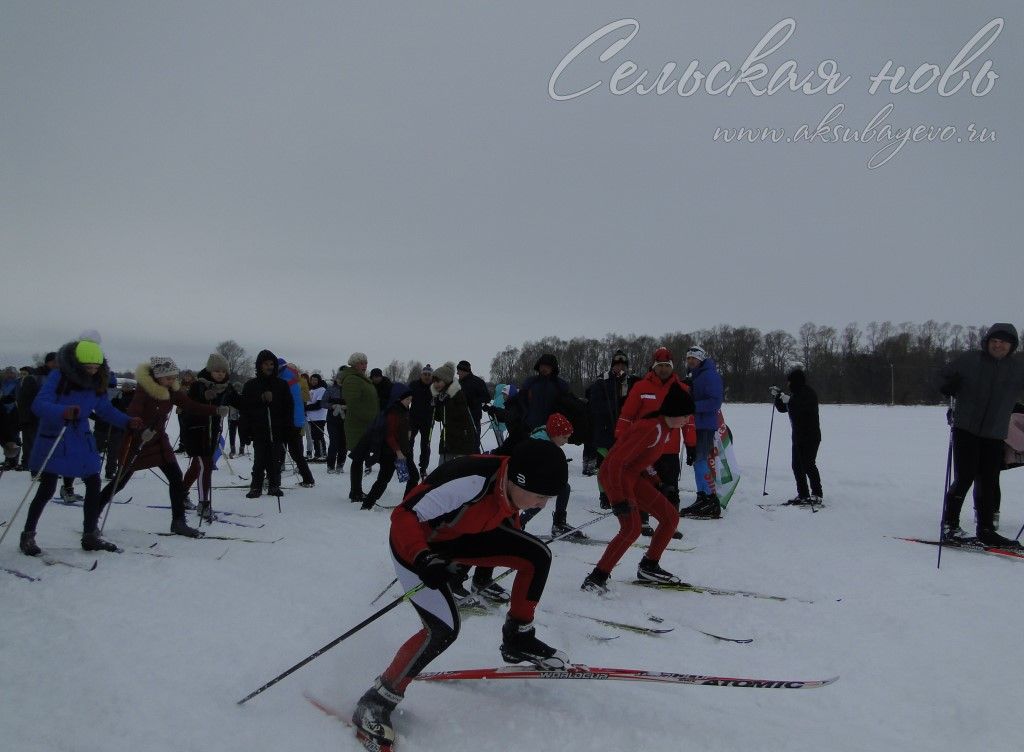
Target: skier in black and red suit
466	512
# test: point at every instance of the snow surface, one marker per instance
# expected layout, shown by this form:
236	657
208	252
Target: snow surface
150	653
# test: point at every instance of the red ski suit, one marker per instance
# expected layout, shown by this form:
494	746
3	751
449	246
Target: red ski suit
646	397
632	485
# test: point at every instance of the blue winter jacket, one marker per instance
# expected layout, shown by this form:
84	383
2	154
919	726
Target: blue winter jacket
707	395
76	455
292	379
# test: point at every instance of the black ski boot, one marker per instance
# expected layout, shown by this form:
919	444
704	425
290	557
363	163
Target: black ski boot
91	541
595	582
28	544
372	717
706	507
357	497
988	536
567	531
205	512
954	535
254	492
519	643
275	491
180	527
490	591
649	571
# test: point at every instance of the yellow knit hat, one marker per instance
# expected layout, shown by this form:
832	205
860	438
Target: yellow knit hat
89	353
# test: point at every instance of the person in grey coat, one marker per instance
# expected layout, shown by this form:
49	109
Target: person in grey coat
985	384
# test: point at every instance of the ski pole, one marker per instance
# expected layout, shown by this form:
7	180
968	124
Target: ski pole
120	474
368	620
945	491
771	425
32	481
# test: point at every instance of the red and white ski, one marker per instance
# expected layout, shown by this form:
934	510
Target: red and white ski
579	671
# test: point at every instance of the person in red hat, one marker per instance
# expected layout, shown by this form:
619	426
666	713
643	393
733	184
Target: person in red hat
631	483
646	396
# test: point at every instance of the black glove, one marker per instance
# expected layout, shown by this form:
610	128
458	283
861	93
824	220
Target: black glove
434	570
691	455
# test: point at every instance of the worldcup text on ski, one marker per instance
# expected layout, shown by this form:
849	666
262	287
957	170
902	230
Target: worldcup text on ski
721	78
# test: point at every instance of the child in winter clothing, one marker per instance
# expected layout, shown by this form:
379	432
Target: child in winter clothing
267	410
289	373
64	444
316	416
201	438
395	448
158	393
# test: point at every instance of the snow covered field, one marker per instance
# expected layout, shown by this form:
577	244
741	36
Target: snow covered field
150	653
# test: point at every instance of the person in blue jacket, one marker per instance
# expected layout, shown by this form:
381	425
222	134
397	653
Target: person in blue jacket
288	373
707	391
70	393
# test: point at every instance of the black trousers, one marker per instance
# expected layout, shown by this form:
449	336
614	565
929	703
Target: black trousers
805	456
386	471
976	461
295	451
336	448
47	486
266	459
424	433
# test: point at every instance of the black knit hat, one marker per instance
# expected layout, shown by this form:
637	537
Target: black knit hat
677	402
547	359
463	366
539	467
376	372
620	357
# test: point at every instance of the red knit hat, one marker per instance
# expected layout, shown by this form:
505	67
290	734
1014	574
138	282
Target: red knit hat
558	425
662	355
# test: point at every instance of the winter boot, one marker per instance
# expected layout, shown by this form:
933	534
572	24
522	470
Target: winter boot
519	643
180	527
989	537
68	495
91	541
28	544
372	717
649	571
307	483
706	507
595	582
205	511
368	503
275	491
605	504
189	504
955	535
255	492
567	531
490	591
357	497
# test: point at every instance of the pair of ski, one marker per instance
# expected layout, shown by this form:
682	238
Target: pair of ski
815	507
204	536
971	544
686	587
78	501
587	541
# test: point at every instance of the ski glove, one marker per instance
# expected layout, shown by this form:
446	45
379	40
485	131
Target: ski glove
148	435
784	398
338	410
402	470
691	455
71	412
774	391
434	570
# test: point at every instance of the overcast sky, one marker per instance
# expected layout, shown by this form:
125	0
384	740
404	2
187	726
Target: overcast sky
395	178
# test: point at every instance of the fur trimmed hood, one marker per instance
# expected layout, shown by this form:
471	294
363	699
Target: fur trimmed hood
144	376
453	389
74	372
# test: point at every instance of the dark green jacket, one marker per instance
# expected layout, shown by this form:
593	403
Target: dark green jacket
361	404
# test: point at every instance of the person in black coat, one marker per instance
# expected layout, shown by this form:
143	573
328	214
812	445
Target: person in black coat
421	416
476	391
802	406
605	398
267	412
383	386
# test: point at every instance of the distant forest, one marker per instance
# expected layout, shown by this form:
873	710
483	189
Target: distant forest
880	363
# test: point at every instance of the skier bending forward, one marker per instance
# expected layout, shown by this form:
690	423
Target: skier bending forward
466	512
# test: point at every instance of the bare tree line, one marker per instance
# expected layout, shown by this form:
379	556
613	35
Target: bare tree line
881	362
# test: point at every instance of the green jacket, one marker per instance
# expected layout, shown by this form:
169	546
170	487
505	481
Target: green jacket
361	405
